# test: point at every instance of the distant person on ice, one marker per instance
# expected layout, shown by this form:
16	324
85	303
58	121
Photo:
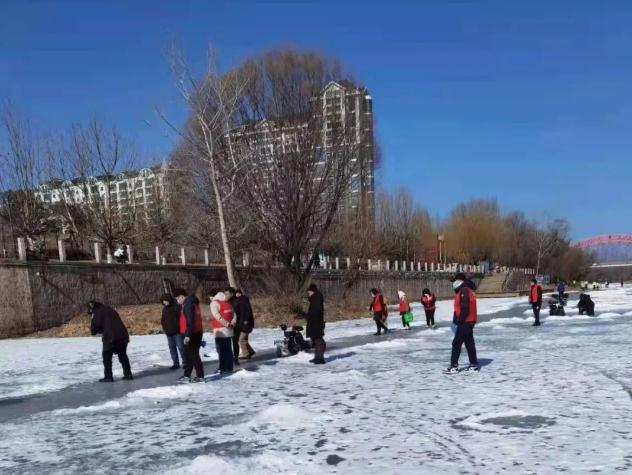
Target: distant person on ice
465	317
107	322
315	316
428	300
380	312
561	288
223	321
191	328
535	299
170	321
404	308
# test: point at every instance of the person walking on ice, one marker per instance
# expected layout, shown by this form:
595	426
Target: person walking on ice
428	300
535	299
404	309
380	311
192	328
464	319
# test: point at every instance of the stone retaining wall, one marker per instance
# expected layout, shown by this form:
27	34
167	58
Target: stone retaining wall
37	296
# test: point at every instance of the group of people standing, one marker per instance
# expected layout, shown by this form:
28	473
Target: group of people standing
379	309
232	322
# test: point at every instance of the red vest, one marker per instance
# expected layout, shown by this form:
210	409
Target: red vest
226	311
377	304
427	302
197	320
533	294
403	305
472	314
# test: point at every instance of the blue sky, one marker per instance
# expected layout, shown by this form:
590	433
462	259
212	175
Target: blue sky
526	102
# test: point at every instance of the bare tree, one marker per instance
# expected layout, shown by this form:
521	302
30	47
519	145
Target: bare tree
23	168
299	159
212	102
96	159
547	239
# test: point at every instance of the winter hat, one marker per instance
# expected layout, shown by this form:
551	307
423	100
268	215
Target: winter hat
312	288
425	292
460	276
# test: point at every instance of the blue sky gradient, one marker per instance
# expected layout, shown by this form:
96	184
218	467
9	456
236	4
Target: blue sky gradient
526	102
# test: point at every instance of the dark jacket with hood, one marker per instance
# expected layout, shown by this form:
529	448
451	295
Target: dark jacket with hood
464	301
315	316
170	319
189	313
106	320
243	310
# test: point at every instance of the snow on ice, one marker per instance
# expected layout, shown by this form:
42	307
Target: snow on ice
549	399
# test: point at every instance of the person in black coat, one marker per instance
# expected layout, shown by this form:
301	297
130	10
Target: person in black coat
245	324
315	316
107	322
170	322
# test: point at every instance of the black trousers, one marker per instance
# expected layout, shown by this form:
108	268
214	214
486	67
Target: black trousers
119	349
464	334
319	348
236	347
193	359
377	318
225	353
430	317
536	312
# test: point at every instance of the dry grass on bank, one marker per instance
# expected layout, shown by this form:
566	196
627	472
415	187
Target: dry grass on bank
145	319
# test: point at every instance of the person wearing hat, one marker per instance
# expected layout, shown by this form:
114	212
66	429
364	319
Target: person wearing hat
315	316
465	316
107	322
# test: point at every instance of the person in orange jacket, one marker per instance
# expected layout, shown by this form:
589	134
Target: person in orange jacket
535	299
428	300
380	312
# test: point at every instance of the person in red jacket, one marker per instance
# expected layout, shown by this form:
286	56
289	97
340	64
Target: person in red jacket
428	300
380	312
464	319
404	307
535	299
192	328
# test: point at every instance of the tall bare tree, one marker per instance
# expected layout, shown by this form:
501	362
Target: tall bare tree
94	160
212	103
298	159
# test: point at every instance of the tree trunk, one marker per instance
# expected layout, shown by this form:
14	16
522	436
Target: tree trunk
228	260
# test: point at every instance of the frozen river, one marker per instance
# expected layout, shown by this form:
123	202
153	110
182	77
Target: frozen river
552	399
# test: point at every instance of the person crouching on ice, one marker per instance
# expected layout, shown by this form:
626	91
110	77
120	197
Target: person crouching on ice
404	308
223	321
465	316
115	338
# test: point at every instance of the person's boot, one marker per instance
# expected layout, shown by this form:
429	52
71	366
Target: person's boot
128	377
106	379
175	366
236	361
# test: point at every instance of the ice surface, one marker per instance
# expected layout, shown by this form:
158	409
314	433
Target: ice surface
552	399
